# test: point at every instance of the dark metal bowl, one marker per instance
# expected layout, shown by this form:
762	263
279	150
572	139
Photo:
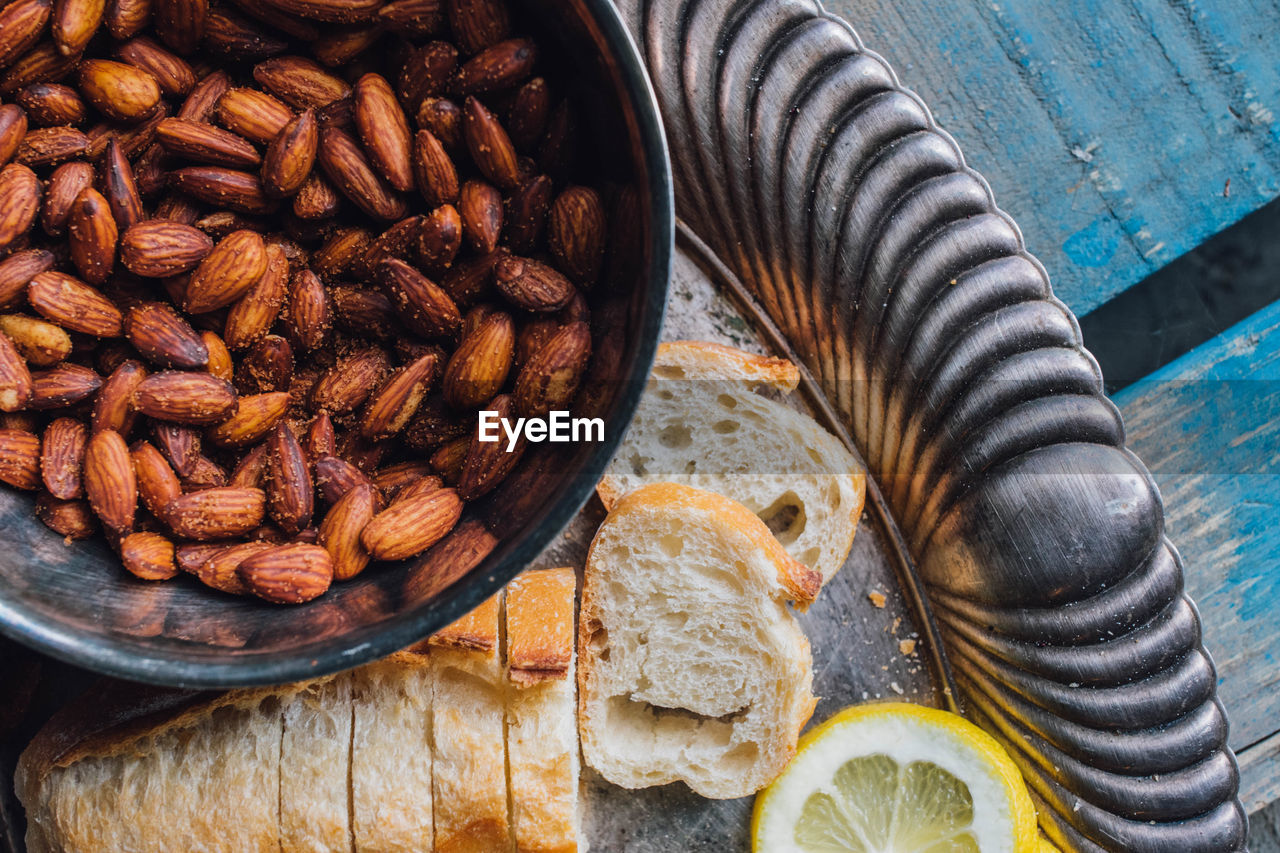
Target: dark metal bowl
74	601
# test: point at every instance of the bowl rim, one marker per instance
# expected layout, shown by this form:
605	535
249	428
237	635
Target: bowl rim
359	646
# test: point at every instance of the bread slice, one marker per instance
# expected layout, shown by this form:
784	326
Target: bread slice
701	422
391	807
134	768
469	775
691	665
315	768
542	726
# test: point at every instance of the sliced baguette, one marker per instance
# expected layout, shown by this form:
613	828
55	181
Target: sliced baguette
134	768
391	805
690	665
702	423
542	727
469	776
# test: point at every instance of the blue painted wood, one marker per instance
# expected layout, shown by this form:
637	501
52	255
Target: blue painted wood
1107	128
1208	426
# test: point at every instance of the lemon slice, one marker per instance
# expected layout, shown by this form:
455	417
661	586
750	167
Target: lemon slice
896	778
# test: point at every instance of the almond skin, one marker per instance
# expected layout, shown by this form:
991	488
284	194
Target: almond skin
72	519
158	248
351	173
118	91
384	130
290	493
109	480
487	462
157	484
532	285
291	155
254	115
120	187
490	146
317	199
340	531
300	82
349	383
477	24
61	386
19	203
172	73
62	453
434	170
74	305
113	407
51	104
49	146
204	143
425	307
227	273
288	574
255	416
394	403
22	23
412	526
164	338
65	185
216	513
526	214
220	364
222	187
550	377
13	126
307	314
336	477
16	272
41	344
20	458
195	399
148	556
75	22
576	233
254	313
179	444
439	239
479	366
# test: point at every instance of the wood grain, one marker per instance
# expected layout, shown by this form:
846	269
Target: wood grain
1107	129
1208	426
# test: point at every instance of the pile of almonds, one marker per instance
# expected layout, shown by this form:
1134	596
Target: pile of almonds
261	263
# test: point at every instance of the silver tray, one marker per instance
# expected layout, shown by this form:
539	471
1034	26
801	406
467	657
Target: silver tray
827	217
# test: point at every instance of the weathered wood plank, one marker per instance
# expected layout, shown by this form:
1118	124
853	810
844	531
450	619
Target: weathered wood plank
1107	129
1208	426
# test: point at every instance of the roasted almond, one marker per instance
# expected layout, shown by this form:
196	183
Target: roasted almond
479	366
530	110
415	18
74	305
238	39
20	459
480	206
230	188
320	439
434	424
346	166
426	72
109	480
205	474
196	399
164	338
491	149
118	91
576	233
13	128
335	477
92	236
449	458
255	416
290	492
411	526
72	519
532	285
158	248
434	170
41	344
288	574
179	444
250	471
550	377
52	104
149	556
343	387
220	364
16	272
62	385
424	306
362	311
202	103
157	484
19	203
126	18
307	316
22	23
204	143
317	199
526	214
291	155
173	74
48	146
181	23
340	531
440	238
300	82
443	118
497	67
75	22
252	114
44	63
235	265
215	513
113	406
334	257
477	24
119	187
489	462
384	130
395	401
267	367
254	313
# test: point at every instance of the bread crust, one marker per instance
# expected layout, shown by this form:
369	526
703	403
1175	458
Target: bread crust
540	625
706	360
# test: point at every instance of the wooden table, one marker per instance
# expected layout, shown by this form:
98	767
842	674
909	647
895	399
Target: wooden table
1120	135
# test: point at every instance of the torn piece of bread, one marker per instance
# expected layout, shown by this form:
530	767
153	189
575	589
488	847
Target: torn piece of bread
469	775
135	768
701	422
391	808
314	768
542	725
690	665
